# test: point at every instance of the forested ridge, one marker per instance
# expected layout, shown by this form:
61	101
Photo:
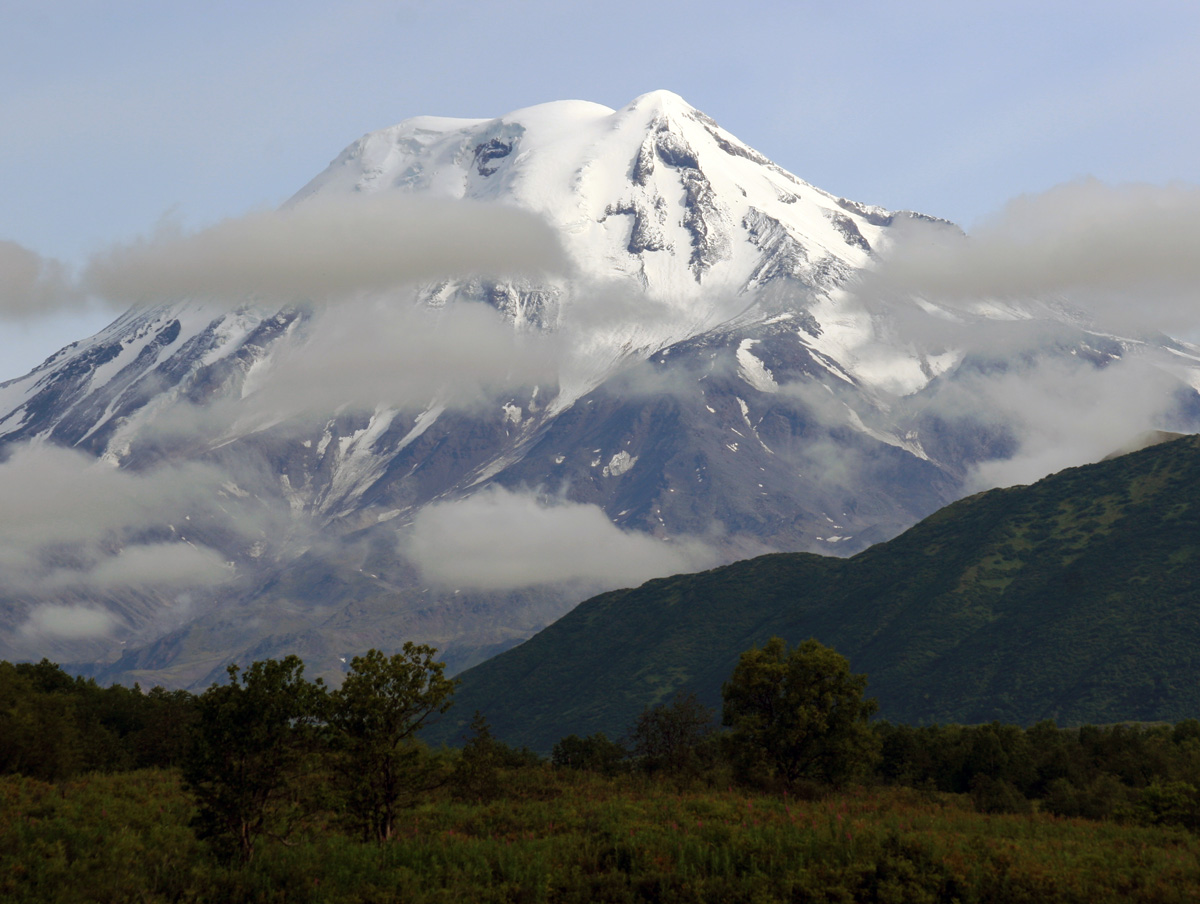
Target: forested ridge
1075	599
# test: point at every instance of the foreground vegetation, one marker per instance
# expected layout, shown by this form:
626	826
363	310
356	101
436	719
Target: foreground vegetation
269	788
561	835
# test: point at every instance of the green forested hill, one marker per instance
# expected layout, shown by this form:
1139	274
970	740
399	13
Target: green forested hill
1075	599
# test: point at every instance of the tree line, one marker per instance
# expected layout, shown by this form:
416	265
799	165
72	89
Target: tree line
54	726
267	753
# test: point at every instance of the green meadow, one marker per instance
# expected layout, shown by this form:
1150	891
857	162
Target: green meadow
560	835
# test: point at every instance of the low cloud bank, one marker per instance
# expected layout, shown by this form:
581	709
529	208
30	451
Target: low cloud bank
1124	255
1112	260
74	524
1060	413
392	353
67	622
501	540
327	248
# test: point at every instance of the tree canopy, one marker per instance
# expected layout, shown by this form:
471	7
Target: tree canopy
672	737
376	713
798	714
252	736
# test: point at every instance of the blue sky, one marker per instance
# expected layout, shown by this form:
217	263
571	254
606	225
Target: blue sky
119	114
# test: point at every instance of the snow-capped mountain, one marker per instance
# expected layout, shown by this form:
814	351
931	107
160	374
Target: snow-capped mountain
656	194
714	387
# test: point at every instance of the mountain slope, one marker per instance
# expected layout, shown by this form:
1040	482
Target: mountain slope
1075	599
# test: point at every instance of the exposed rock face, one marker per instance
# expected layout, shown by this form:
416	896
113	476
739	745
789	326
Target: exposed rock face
740	401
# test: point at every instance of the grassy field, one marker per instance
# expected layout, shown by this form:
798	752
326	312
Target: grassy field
561	836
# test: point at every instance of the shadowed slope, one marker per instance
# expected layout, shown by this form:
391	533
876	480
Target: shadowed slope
1076	599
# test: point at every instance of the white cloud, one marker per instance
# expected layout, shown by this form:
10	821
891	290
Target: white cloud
327	248
498	540
151	565
67	622
388	352
1124	255
33	286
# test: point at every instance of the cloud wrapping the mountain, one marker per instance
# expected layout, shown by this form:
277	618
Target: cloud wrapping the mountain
500	540
1120	256
327	248
1060	413
32	285
66	622
157	565
54	495
1124	255
381	352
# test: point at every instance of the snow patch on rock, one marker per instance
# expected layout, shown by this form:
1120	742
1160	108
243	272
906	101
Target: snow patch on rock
752	370
619	464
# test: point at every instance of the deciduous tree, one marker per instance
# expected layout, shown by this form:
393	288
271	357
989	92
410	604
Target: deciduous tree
252	737
798	714
671	737
381	704
595	753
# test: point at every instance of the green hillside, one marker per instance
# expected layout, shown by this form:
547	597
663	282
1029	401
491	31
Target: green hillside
1075	599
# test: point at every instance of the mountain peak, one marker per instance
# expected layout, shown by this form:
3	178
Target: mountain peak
655	191
662	99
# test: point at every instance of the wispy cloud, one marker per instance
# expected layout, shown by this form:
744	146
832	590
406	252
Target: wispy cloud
54	495
385	351
33	286
499	539
327	249
150	565
77	525
1122	255
69	622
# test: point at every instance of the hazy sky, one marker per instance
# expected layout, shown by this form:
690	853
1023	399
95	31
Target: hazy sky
116	115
